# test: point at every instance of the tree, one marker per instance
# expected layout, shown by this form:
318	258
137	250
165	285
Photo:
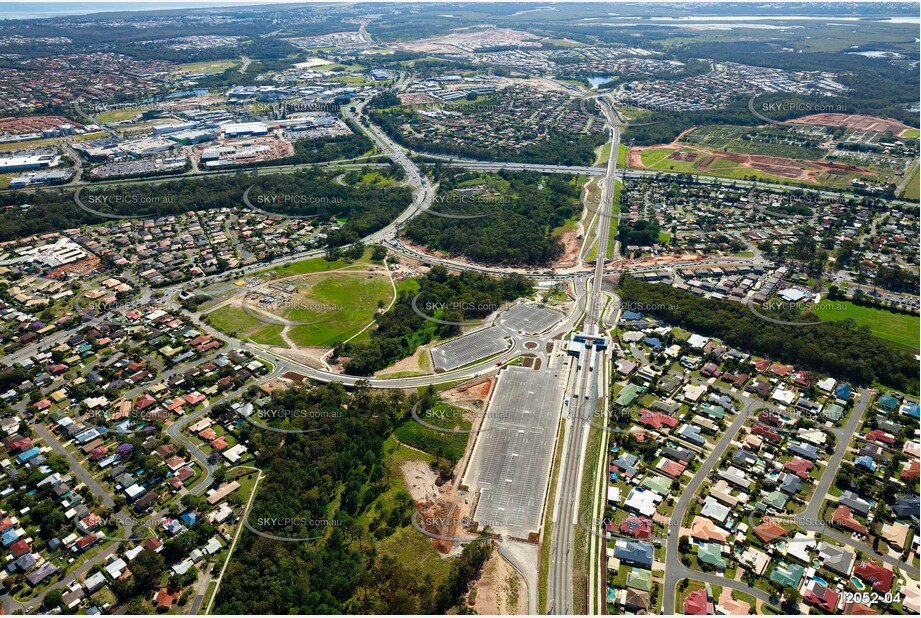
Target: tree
378	253
55	599
148	567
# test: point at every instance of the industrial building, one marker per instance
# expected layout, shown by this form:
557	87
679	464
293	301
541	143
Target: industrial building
28	162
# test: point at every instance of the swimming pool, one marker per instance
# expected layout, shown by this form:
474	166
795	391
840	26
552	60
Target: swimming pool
858	584
820	580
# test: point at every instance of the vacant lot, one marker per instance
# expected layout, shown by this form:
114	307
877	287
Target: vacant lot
324	309
897	328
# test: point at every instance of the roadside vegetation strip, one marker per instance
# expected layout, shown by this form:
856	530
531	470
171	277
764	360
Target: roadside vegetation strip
543	576
586	503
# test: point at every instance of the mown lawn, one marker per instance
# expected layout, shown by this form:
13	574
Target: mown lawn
898	328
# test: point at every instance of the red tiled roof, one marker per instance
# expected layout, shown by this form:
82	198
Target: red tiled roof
844	518
878	577
19	548
697	603
826	598
656	419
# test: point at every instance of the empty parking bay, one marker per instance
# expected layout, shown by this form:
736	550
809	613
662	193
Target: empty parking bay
469	348
510	464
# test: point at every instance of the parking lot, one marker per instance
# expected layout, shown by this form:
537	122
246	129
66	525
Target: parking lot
469	348
530	318
510	464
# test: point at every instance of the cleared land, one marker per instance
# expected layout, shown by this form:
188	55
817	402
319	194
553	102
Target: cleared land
897	328
742	166
913	188
328	308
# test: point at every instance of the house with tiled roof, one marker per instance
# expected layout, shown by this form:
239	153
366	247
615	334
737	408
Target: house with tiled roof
821	596
799	466
656	419
838	560
787	575
698	603
769	531
704	529
712	554
844	518
880	578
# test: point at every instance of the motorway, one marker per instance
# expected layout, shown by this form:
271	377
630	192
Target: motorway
582	409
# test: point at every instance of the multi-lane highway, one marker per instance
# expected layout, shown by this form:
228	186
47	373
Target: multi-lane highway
582	396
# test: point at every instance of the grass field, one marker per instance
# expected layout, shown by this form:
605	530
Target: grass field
236	322
612	236
407	545
41	143
913	188
603	153
657	159
915	133
118	115
314	265
896	328
351	299
329	307
207	66
767	141
563	43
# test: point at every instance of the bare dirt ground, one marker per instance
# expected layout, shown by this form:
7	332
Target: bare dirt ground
410	363
784	167
853	121
500	590
420	481
571	246
459	259
444	502
472	395
275	384
448	42
633	157
309	356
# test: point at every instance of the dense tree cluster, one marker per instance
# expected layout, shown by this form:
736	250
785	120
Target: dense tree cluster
514	228
401	330
640	233
337	475
839	349
365	208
